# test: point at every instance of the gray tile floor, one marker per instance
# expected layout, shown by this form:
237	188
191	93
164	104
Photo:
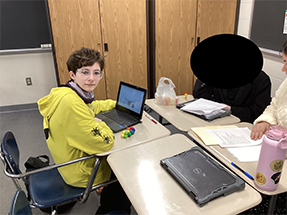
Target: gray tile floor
26	124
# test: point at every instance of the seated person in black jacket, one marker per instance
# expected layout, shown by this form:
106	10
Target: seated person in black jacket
246	102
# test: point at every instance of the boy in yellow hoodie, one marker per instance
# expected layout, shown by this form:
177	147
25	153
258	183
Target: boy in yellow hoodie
71	129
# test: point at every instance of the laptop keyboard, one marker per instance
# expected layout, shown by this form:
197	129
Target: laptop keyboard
120	117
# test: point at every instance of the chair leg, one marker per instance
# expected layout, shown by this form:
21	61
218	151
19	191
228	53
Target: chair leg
272	203
17	184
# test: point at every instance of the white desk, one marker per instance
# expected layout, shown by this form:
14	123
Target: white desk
145	132
250	167
153	191
184	121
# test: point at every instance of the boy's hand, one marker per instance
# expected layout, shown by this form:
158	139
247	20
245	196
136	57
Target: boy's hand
97	119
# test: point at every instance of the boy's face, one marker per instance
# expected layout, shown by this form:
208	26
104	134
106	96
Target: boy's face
86	77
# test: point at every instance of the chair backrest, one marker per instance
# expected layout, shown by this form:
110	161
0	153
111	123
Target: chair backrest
20	204
11	153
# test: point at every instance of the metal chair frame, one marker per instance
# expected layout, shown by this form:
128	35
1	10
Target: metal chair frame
15	176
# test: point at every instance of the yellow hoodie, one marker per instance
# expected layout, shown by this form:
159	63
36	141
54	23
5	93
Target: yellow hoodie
74	133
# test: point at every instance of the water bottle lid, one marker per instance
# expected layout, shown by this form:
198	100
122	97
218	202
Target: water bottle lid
276	132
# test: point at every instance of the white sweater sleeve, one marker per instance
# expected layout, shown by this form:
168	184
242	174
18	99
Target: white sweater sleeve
276	112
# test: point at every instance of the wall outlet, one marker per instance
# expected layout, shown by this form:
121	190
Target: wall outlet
28	81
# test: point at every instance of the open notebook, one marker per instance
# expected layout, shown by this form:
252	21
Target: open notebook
129	108
200	176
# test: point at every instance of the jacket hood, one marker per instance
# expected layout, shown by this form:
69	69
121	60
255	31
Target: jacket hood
48	104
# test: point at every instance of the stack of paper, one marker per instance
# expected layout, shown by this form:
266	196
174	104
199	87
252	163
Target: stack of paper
206	138
233	137
246	154
203	107
238	143
236	140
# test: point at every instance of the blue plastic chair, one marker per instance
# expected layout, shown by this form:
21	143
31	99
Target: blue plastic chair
20	204
47	187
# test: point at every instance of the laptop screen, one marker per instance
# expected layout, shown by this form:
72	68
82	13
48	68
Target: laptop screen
131	98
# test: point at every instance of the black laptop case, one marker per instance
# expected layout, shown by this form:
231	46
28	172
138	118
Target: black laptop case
200	176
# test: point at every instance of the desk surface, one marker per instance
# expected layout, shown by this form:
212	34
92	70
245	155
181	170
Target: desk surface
145	132
184	121
152	191
250	167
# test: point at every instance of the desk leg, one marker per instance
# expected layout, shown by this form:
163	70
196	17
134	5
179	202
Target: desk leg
272	203
160	119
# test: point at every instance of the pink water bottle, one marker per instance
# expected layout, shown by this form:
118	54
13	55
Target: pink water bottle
271	159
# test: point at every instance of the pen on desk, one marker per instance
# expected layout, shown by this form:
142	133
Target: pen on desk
237	167
155	122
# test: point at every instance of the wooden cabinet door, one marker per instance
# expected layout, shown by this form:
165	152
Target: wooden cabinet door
75	24
124	35
215	17
175	25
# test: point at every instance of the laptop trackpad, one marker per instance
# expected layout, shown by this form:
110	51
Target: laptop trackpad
105	119
114	126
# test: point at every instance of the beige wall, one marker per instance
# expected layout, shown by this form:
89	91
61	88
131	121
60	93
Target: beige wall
13	72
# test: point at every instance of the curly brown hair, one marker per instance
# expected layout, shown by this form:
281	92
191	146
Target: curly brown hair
84	57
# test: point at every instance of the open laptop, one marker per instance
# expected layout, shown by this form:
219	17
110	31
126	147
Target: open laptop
129	108
200	176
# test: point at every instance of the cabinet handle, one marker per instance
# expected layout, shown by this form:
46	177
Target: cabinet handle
106	47
198	40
